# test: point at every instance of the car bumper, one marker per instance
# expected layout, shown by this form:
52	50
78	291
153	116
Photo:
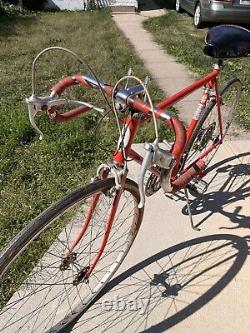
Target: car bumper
218	13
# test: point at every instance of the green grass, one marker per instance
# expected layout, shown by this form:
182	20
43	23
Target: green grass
176	34
32	173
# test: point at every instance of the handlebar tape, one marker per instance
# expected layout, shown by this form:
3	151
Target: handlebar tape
67	116
69	81
173	121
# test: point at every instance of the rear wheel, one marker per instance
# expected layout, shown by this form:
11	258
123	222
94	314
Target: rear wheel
207	132
198	22
42	285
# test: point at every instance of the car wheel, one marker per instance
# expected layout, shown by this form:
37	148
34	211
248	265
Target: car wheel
178	6
198	23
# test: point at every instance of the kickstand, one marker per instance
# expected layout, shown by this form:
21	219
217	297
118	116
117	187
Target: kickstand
189	210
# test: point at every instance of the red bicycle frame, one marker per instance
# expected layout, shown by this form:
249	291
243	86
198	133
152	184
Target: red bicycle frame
180	178
209	82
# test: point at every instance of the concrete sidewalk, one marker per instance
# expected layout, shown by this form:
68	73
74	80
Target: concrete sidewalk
169	75
178	280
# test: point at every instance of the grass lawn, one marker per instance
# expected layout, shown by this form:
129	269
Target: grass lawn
176	34
32	173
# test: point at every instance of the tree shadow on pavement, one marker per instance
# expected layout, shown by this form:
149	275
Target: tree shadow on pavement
230	184
167	287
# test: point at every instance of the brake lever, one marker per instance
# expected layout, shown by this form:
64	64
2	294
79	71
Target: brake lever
32	113
63	101
36	104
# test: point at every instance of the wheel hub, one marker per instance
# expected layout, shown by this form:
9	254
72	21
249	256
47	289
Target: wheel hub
70	259
81	276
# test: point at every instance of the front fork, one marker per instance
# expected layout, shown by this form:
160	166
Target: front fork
70	257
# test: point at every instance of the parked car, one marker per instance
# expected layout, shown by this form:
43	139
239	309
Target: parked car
227	11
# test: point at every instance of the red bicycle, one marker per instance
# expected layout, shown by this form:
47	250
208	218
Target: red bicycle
81	240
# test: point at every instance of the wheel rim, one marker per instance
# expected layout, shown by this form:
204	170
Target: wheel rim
197	15
47	295
177	5
209	132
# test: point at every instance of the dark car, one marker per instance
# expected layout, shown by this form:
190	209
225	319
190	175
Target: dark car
228	11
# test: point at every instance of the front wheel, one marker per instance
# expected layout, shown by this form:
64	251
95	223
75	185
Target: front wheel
207	133
41	269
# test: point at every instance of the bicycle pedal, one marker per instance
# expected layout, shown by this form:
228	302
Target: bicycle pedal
198	186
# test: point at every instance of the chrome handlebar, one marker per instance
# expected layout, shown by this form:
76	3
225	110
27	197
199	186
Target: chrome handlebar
154	155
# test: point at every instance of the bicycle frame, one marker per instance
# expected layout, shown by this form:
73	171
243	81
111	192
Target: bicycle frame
178	177
131	125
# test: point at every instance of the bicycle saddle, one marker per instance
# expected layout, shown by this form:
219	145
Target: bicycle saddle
227	41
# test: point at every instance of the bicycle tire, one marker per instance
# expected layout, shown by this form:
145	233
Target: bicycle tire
206	132
39	298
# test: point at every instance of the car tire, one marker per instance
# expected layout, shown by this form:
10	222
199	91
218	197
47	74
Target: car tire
198	22
178	6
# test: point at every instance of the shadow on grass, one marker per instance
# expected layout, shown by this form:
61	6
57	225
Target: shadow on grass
172	285
9	22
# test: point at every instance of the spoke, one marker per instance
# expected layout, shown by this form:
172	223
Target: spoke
24	316
25	297
52	285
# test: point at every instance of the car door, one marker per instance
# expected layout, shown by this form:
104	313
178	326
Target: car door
184	4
